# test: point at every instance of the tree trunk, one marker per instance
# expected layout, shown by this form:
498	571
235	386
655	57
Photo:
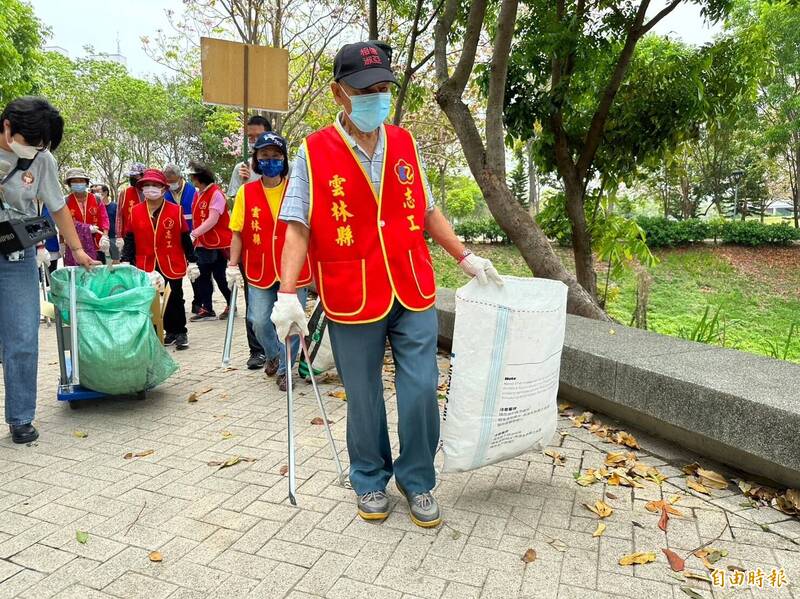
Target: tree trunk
372	18
581	238
443	187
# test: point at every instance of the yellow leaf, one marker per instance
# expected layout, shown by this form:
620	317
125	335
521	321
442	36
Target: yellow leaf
530	555
612	332
601	508
558	459
140	454
564	406
192	397
694	483
624	438
601	528
155	556
658	506
227	434
615	457
696	575
637	558
80	434
338	395
712	479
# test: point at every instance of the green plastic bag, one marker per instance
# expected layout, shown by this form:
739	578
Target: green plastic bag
119	350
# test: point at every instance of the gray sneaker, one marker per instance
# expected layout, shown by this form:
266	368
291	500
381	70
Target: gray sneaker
423	509
373	505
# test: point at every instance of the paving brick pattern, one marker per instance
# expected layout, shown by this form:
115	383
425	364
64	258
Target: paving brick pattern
232	533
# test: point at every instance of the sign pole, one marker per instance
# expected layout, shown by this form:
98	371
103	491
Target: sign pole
245	100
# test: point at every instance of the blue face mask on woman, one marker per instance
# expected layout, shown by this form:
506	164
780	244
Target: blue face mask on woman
369	110
272	167
78	187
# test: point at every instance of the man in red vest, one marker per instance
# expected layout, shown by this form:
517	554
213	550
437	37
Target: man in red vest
359	203
157	241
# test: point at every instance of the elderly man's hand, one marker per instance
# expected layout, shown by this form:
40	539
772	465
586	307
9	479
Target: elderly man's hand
244	171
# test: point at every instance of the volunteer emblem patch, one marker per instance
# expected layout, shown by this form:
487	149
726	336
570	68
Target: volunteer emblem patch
404	172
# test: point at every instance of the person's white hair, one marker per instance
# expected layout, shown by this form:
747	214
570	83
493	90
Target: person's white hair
173	169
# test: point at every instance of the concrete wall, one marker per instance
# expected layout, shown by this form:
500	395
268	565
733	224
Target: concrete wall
735	407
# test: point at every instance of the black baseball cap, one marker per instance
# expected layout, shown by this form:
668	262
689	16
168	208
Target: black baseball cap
363	65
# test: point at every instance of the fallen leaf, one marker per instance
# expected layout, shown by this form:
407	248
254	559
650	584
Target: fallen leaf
662	522
691	592
623	438
319	420
637	558
635	523
139	454
696	575
530	555
674	499
733	568
558	459
676	562
338	395
284	469
155	556
660	505
81	536
564	406
456	535
690	469
612	332
227	434
611	496
80	434
196	394
600	508
616	457
558	545
694	483
598	532
712	479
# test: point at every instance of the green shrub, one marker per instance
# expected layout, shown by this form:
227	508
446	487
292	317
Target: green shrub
481	229
662	232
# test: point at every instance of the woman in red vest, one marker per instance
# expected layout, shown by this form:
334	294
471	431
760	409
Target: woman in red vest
258	238
85	209
211	235
157	241
359	204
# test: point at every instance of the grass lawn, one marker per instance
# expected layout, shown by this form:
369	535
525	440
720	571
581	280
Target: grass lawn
756	289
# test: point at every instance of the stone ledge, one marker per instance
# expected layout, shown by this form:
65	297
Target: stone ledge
735	407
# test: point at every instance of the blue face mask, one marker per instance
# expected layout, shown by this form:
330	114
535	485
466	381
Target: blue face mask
370	110
272	167
78	187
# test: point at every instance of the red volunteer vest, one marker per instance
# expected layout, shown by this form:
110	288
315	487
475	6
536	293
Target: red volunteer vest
91	217
262	240
130	198
159	246
219	237
366	246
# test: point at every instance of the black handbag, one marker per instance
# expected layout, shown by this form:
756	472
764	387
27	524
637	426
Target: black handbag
21	233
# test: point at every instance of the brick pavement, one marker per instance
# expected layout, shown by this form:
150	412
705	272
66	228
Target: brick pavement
232	532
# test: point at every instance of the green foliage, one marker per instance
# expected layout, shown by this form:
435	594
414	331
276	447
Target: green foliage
621	241
21	35
554	221
711	328
485	229
518	180
661	232
780	349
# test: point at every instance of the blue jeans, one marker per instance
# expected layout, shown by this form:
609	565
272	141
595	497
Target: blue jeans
19	335
358	350
259	310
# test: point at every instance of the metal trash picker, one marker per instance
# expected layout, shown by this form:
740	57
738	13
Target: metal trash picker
44	281
290	417
226	349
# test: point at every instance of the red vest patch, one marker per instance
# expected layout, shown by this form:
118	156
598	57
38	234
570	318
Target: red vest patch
367	246
219	236
159	246
262	240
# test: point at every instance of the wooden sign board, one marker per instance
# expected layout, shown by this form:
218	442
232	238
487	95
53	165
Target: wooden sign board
223	63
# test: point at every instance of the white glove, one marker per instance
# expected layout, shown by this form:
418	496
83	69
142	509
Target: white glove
42	258
105	244
288	315
156	280
234	276
193	272
120	243
94	229
482	269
